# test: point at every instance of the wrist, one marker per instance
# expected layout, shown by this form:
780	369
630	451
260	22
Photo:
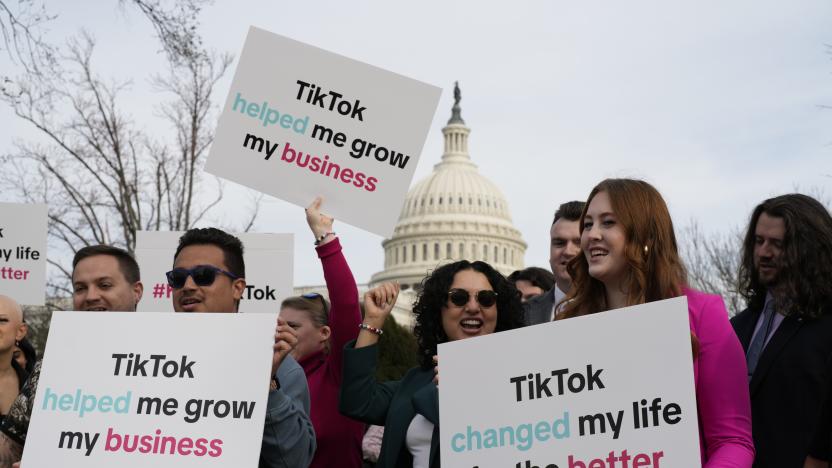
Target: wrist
373	322
323	237
374	330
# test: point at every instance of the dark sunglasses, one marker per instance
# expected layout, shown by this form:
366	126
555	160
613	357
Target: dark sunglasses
460	297
313	296
203	275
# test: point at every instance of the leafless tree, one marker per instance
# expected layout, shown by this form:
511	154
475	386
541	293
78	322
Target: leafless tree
21	27
713	263
103	177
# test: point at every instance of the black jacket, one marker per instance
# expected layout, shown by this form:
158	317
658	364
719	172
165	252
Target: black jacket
788	388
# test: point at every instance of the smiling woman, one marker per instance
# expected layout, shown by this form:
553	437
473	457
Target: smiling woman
630	257
457	301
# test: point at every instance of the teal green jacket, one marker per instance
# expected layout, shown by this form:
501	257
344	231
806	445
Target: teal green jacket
389	404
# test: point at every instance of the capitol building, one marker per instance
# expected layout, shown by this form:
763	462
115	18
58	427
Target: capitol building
453	214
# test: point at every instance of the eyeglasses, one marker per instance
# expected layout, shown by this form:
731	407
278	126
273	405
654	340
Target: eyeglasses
313	296
460	297
203	275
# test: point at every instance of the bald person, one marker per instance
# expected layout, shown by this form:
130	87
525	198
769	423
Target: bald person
12	376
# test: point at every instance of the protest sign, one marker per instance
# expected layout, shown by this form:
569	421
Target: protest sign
162	390
600	391
301	121
23	252
269	269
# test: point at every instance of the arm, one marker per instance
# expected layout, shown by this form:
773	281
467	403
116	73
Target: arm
722	390
288	436
371	444
10	451
362	397
821	449
345	313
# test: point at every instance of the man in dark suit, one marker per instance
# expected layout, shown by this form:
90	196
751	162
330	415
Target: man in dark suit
565	244
786	331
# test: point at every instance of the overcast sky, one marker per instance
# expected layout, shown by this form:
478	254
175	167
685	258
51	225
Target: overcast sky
719	104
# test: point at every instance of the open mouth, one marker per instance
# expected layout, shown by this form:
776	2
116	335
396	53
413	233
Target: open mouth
471	325
95	309
598	252
189	303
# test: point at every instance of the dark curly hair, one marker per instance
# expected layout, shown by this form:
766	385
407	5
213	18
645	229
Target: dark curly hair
434	296
804	275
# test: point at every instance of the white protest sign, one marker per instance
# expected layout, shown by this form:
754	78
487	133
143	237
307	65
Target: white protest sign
607	390
269	269
23	252
161	390
301	121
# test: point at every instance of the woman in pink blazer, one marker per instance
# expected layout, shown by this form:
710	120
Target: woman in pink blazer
630	257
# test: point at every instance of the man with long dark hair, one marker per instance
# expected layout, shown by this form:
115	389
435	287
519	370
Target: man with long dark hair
786	331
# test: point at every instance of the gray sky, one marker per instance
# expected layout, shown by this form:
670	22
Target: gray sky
719	104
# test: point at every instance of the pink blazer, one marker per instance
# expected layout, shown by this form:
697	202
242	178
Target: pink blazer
721	378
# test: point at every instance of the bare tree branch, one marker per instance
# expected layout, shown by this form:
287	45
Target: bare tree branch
712	261
102	177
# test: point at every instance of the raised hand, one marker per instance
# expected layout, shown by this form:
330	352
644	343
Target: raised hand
319	223
379	302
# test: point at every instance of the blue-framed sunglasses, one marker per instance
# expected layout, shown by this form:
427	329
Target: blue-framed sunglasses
313	296
203	275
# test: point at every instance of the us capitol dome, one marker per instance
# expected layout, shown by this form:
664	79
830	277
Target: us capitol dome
453	214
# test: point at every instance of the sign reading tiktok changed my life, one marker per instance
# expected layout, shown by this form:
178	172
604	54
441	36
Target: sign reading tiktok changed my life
23	252
609	390
301	122
269	269
162	390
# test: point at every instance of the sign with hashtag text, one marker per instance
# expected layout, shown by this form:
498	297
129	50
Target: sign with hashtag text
269	269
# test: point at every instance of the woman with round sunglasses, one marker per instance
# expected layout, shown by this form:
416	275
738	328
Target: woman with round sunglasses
457	301
629	257
322	332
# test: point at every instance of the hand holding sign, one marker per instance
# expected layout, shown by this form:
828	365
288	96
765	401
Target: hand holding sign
319	223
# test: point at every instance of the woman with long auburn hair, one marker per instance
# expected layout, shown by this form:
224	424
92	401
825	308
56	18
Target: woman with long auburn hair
629	257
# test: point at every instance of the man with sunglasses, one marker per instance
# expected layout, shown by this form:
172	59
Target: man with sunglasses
209	276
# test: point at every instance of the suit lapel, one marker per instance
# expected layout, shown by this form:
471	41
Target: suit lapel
781	337
745	327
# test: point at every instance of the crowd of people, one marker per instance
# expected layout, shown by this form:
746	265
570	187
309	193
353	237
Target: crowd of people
762	379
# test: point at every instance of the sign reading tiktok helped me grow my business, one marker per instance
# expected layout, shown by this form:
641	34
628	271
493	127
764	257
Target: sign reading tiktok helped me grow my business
129	390
301	122
610	390
23	252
